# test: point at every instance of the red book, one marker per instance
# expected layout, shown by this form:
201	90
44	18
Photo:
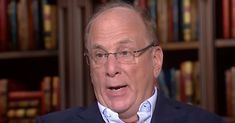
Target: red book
226	18
3	25
233	19
19	95
142	4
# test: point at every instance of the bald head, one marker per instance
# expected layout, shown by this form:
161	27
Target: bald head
120	15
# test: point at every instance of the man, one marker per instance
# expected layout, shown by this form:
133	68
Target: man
125	59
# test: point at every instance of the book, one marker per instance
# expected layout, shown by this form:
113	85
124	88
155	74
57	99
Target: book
23	25
226	18
187	22
233	89
232	18
46	91
176	21
12	14
56	93
4	26
50	24
186	69
162	21
3	99
170	23
38	23
229	96
195	19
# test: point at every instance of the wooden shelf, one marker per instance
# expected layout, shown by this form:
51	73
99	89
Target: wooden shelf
27	54
180	45
225	43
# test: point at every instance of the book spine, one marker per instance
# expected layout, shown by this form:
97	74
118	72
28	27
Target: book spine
233	18
23	28
12	12
228	80
3	26
170	23
50	24
226	18
187	30
176	20
233	90
162	20
47	94
3	99
195	19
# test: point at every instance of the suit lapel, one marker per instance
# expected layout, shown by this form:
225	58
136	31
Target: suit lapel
89	115
167	111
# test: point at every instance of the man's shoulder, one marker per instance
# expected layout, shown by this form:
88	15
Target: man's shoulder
87	114
60	116
168	109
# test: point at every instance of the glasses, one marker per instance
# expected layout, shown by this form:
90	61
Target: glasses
125	56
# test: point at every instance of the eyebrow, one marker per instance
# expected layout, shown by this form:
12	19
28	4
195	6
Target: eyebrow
126	41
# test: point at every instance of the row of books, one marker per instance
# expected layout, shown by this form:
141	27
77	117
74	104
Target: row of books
24	106
28	25
230	91
176	20
182	84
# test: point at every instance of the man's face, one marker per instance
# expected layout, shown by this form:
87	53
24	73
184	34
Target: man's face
122	87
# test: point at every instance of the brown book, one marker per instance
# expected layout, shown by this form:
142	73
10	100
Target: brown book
56	93
162	23
170	23
195	19
233	89
196	83
4	45
186	82
46	90
233	18
50	26
23	25
226	16
187	22
229	85
19	95
3	99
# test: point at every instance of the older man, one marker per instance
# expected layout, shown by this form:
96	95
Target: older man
125	60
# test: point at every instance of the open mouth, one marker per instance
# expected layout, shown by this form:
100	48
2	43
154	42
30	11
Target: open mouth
117	87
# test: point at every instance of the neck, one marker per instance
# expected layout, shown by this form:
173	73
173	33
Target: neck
130	119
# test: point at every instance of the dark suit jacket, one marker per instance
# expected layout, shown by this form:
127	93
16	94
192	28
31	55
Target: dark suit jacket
166	111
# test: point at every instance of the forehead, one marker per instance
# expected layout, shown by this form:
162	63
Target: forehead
119	23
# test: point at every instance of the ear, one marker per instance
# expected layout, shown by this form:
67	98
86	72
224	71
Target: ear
157	57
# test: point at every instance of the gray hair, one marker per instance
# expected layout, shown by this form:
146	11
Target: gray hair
149	24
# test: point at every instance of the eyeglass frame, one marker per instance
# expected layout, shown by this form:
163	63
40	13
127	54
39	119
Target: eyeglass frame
140	51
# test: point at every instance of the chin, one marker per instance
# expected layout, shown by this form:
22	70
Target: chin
120	106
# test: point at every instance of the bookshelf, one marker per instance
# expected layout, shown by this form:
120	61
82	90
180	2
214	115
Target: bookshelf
29	58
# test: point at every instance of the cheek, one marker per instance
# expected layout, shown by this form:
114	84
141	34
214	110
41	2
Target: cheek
96	78
140	73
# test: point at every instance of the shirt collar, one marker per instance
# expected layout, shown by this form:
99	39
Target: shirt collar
151	100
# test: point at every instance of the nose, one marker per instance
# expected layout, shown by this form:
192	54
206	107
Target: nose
112	66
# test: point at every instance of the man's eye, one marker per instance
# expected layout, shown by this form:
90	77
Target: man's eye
99	55
125	53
